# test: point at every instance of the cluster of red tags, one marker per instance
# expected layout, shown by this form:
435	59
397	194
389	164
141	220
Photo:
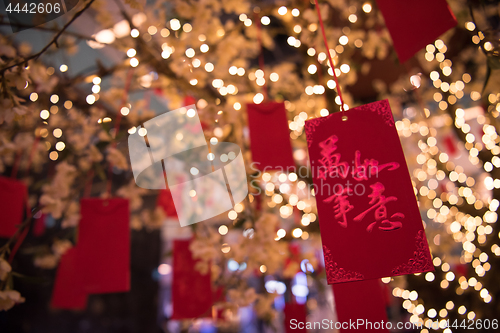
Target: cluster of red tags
368	214
369	219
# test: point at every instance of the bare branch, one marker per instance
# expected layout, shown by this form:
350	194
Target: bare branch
53	41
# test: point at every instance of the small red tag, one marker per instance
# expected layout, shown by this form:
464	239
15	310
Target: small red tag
13	195
192	295
414	24
104	245
270	136
361	306
68	292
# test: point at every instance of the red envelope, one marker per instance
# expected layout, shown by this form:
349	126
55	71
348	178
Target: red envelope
68	292
166	202
414	24
270	136
104	245
191	291
362	303
298	313
368	215
13	195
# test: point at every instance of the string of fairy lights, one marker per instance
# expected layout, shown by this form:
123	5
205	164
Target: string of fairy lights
287	192
463	228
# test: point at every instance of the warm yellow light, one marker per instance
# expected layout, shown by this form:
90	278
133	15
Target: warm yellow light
223	230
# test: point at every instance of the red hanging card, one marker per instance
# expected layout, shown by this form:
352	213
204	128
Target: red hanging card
104	245
295	314
39	225
368	215
414	24
269	136
68	292
191	291
361	306
13	195
166	202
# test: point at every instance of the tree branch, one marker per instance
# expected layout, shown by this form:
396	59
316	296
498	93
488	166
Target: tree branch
53	41
41	28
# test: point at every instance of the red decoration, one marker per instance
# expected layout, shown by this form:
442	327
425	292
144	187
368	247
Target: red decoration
414	24
39	225
363	303
298	313
166	202
270	136
191	291
104	245
13	196
369	219
68	292
451	145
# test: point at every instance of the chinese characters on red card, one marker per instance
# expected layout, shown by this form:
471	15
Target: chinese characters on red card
368	214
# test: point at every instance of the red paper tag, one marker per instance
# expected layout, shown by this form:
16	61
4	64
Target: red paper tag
68	292
295	313
166	202
13	196
104	245
414	24
191	291
361	306
270	136
368	214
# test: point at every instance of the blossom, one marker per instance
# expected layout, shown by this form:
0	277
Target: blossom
117	159
52	199
133	193
242	297
5	269
50	261
47	261
263	306
9	298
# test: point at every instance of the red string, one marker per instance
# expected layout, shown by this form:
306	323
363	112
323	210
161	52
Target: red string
329	55
19	241
15	167
88	185
128	81
261	55
320	78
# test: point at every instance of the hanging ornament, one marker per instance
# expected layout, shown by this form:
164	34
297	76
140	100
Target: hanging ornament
270	136
361	306
295	317
369	219
104	245
13	195
166	202
69	290
191	291
414	24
